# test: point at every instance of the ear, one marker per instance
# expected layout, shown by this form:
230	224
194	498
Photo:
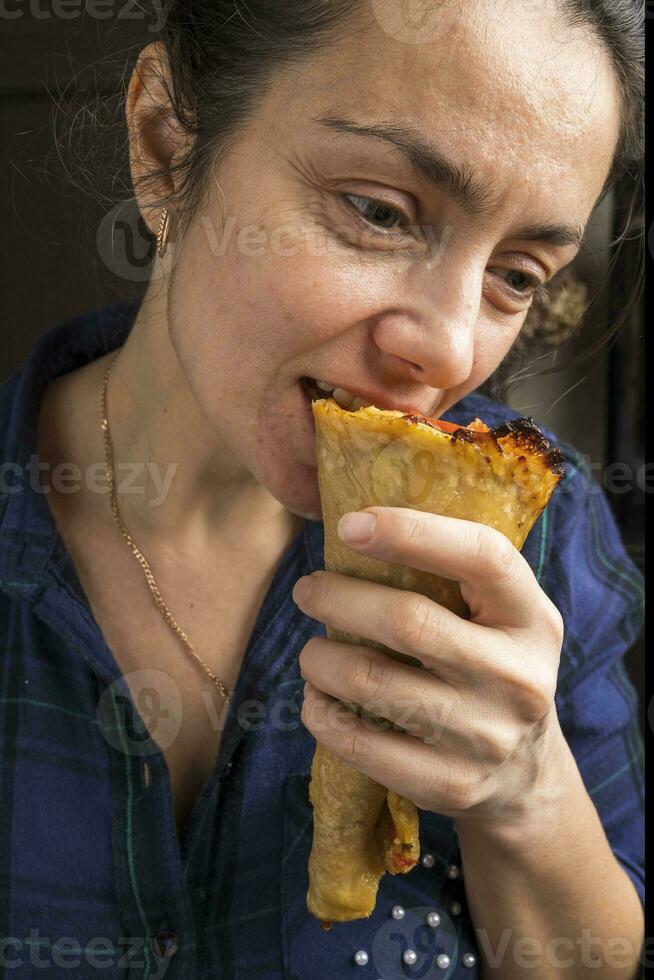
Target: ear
156	139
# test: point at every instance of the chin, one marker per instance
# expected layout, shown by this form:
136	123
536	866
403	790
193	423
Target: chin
301	499
308	515
295	485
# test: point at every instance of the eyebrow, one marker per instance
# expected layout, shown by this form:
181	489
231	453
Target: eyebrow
473	195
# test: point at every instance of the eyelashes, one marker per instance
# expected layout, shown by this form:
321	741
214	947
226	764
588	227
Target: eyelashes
351	202
530	283
514	281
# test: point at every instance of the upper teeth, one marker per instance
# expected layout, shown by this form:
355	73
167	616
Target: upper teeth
346	399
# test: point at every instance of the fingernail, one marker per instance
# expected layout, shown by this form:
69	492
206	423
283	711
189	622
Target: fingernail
301	589
356	527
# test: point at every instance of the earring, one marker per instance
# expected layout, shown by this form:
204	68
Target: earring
162	233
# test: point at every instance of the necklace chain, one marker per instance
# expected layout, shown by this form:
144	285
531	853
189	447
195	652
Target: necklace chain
138	554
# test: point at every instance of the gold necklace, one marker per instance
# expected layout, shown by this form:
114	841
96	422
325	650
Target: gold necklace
138	554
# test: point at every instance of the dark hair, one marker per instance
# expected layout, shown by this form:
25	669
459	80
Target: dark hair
620	25
222	54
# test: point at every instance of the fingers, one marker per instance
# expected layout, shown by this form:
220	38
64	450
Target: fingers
406	622
393	759
496	580
412	698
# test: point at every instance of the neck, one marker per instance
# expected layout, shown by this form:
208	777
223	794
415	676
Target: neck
175	475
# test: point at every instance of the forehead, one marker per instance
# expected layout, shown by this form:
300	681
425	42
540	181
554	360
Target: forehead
507	88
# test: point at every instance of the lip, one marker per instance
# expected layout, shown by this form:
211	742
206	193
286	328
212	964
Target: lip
383	400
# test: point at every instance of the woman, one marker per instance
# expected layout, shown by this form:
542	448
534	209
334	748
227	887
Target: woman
335	196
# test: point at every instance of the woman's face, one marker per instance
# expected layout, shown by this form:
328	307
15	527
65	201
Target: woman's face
399	268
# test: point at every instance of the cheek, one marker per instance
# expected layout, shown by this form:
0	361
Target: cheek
313	285
323	297
231	336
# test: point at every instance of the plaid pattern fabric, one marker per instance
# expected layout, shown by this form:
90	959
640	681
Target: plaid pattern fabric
94	879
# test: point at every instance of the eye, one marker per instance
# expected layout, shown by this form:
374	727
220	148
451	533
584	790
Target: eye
521	282
513	287
378	214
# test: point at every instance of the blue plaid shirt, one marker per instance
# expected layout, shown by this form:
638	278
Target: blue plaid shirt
95	881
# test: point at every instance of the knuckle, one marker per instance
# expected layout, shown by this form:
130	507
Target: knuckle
554	625
463	793
412	623
494	554
370	676
495	747
491	741
533	697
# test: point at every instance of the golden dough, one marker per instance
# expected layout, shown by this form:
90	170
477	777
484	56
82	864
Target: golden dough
502	477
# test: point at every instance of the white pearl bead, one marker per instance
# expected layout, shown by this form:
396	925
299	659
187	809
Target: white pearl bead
455	908
361	957
453	871
398	912
469	959
427	860
433	919
443	961
409	956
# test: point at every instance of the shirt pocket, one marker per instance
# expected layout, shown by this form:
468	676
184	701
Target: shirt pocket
310	952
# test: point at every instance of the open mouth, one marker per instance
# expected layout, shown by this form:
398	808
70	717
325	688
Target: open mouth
315	389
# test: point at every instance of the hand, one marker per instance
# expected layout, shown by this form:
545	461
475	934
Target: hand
480	732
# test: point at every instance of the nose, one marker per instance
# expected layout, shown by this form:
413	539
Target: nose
431	339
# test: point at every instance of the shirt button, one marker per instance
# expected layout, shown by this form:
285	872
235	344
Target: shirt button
166	943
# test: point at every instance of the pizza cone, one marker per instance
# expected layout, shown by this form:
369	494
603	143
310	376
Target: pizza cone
502	477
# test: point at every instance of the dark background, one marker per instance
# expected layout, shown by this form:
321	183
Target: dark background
56	57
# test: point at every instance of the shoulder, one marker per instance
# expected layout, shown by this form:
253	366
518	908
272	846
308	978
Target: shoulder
26	524
61	348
